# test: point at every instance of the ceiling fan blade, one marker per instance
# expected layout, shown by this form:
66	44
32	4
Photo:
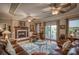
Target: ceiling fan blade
46	9
52	4
63	5
63	10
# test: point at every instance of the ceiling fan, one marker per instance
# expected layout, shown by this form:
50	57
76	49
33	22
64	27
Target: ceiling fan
57	8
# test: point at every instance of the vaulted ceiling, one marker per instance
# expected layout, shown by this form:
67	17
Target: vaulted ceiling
23	10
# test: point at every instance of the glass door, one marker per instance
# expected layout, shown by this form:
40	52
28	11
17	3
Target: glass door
51	31
47	31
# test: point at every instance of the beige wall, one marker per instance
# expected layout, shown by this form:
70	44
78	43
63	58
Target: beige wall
5	21
15	23
63	31
62	22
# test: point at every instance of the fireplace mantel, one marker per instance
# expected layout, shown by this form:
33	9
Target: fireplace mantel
21	33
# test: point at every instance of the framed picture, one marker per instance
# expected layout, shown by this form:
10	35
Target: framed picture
22	23
62	26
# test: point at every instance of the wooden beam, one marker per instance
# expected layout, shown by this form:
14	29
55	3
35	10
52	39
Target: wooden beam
13	7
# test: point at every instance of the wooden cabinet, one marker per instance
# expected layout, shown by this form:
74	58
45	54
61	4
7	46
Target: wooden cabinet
42	30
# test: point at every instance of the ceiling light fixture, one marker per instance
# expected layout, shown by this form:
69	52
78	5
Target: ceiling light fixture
55	11
32	18
29	20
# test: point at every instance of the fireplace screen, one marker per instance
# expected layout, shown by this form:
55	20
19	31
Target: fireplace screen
21	34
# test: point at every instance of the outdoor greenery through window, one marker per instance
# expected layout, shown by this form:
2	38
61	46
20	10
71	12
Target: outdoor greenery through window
74	28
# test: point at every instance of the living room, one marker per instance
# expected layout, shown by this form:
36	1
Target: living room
39	28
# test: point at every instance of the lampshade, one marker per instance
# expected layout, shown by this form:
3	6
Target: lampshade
6	32
1	29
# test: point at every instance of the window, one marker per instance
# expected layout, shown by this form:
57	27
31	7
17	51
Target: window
47	31
51	30
37	28
74	28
